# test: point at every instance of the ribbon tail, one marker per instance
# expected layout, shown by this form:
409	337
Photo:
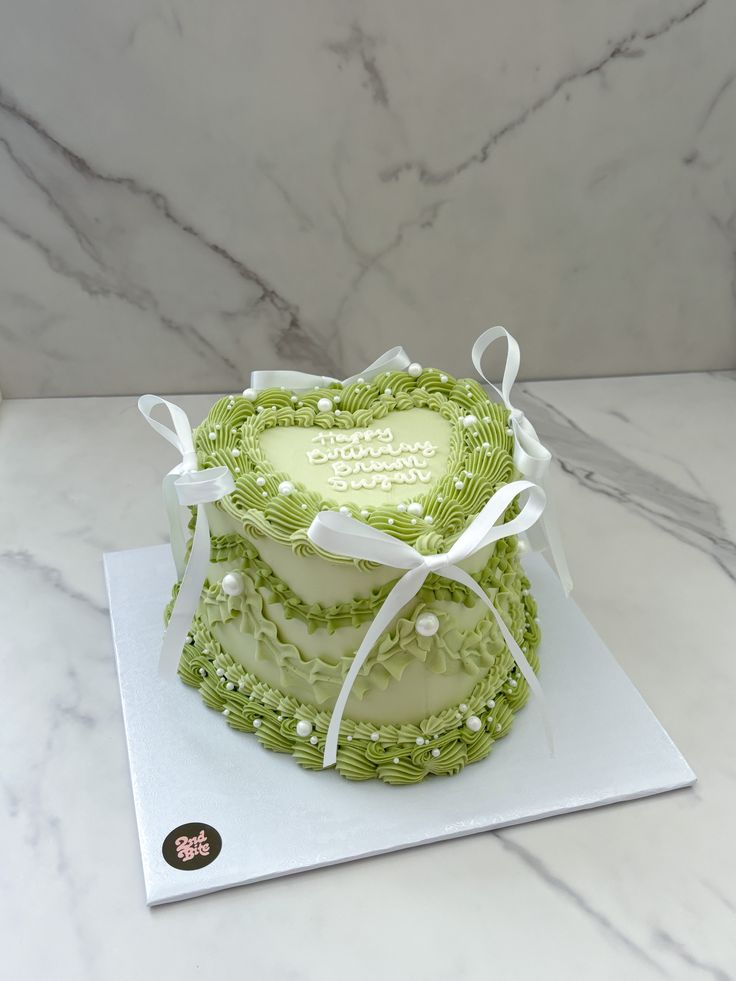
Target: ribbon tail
453	572
187	598
177	532
405	589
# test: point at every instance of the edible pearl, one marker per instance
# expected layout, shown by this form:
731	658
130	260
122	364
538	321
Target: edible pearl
324	405
344	510
443	378
235	451
463	707
486	446
435	753
313	740
469	420
429	519
260	481
459	484
257	723
303	728
286	487
414	370
420	740
251	394
226	711
396	759
415	508
474	723
401	507
212	435
491	703
203	672
230	686
375	736
427	624
232	584
364	513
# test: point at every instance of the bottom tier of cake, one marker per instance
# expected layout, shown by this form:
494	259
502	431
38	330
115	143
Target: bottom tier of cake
399	753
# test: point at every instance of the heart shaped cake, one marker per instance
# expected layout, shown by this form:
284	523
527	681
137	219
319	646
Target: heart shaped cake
405	460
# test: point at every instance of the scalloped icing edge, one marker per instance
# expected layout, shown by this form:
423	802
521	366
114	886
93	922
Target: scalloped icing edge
395	757
484	451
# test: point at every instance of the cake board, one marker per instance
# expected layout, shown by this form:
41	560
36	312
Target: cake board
268	817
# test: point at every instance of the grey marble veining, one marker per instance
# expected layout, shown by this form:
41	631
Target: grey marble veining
186	196
645	890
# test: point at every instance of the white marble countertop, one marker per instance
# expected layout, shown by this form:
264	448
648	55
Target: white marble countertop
645	889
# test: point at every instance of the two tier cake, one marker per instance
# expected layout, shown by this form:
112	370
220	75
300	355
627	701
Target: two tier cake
415	454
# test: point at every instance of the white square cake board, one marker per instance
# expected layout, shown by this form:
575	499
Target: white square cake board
275	818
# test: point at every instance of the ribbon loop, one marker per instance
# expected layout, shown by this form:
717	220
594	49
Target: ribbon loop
531	458
300	381
343	535
185	486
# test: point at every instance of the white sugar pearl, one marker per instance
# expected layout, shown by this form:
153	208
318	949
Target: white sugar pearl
414	370
389	521
350	739
427	624
220	672
463	707
491	703
226	711
401	507
251	394
344	510
203	672
474	723
303	507
260	481
364	513
324	405
388	391
459	484
233	584
486	446
286	487
375	736
189	639
435	753
313	740
212	435
257	723
396	759
513	683
429	519
235	451
413	521
230	686
443	378
415	508
469	420
419	740
303	728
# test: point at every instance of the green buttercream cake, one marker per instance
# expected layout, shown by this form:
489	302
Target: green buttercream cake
415	454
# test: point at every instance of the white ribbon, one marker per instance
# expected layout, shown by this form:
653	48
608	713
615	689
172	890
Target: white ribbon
341	534
531	457
183	486
394	360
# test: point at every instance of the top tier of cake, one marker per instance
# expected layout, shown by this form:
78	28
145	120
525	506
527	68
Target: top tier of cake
416	455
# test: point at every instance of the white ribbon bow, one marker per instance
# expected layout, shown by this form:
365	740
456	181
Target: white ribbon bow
184	485
342	534
394	360
531	457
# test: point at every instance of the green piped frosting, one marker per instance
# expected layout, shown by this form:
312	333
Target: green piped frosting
479	462
501	569
395	757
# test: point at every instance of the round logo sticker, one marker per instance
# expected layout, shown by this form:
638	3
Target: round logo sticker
192	846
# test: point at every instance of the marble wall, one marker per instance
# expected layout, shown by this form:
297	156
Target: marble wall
190	190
